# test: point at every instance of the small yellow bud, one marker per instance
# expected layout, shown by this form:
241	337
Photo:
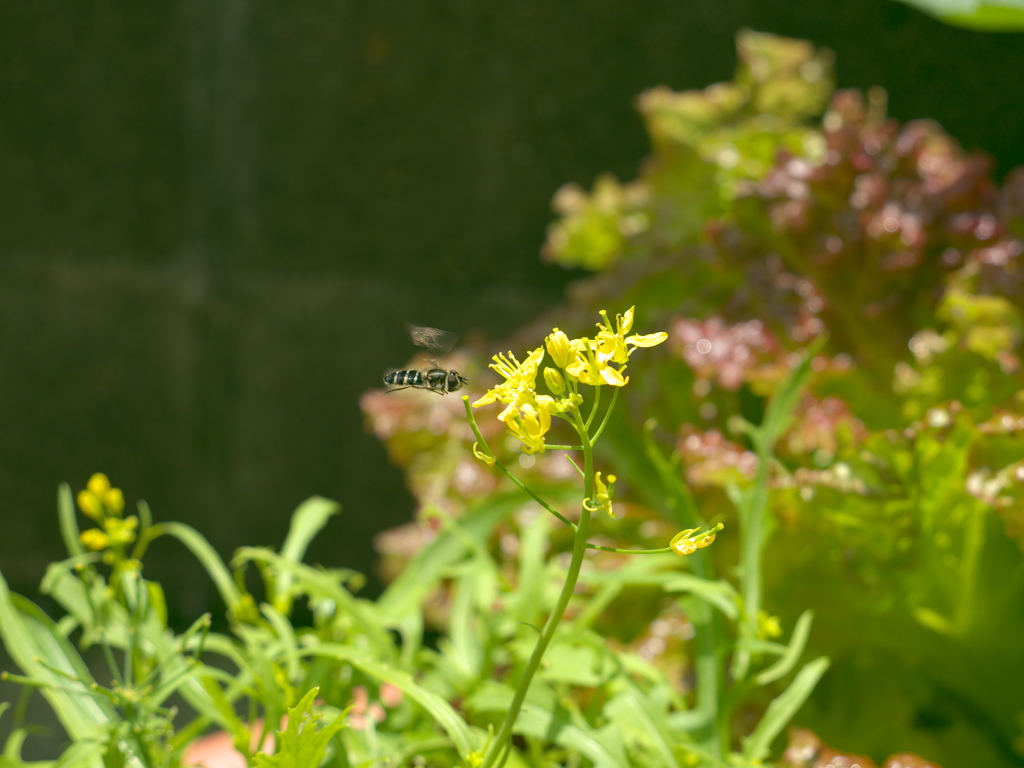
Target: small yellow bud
559	347
554	380
121	532
94	539
767	625
99	484
90	504
114	501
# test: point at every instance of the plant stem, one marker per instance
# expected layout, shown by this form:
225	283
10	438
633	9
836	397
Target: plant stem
579	549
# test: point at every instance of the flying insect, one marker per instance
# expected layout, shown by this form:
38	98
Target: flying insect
436	379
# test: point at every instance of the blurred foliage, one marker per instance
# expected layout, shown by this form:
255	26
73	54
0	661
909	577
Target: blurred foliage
773	215
999	16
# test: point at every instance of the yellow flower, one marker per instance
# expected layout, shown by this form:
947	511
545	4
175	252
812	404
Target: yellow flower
589	361
94	539
615	345
529	422
519	377
589	368
603	495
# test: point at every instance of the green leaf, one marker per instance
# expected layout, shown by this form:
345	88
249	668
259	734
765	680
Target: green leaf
44	654
797	641
780	408
301	744
285	637
526	603
327	584
997	16
721	594
206	555
782	708
81	754
406	593
307	521
462	736
645	713
68	522
547	719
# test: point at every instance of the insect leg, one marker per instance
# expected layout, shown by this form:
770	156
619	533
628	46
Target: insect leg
412	386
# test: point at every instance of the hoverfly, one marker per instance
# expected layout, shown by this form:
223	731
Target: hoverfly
434	379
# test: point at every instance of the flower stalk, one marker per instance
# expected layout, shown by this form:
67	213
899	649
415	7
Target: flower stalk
528	416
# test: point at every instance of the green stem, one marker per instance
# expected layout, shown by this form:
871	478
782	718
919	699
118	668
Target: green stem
509	475
593	411
709	664
607	414
662	551
579	549
752	508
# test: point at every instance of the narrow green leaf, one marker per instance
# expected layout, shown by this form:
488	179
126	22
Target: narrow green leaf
87	753
780	407
226	716
307	521
720	594
641	711
985	15
327	584
550	722
801	631
463	624
285	636
462	736
782	708
37	646
207	556
406	593
68	522
533	542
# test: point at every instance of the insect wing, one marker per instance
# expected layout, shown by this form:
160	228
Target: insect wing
437	341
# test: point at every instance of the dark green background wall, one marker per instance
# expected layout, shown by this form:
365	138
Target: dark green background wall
214	217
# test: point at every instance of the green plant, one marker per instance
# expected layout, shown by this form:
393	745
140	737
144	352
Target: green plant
562	690
841	385
773	213
896	491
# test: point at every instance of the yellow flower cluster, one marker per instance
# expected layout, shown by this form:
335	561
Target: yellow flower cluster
105	505
588	361
527	414
594	362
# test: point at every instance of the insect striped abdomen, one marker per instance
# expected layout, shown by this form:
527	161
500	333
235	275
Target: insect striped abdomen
404	379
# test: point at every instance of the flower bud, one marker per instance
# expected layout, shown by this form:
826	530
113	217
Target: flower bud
114	501
554	380
559	348
94	539
90	504
99	484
